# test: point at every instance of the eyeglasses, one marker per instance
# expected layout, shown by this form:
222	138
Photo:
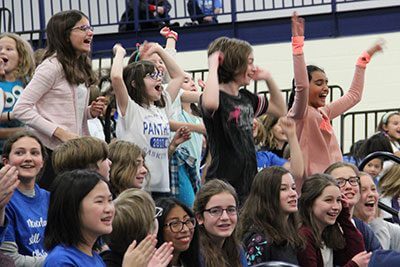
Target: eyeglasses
84	28
159	212
353	181
155	75
177	226
217	211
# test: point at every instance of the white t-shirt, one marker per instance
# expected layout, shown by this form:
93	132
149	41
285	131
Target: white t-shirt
149	129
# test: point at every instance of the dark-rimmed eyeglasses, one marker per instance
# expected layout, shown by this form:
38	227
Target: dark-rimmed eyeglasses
84	28
159	212
155	75
353	181
177	226
217	211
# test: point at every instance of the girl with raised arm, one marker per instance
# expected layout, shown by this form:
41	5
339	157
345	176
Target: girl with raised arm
316	135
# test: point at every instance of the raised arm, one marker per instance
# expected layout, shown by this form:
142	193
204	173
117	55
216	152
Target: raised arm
117	80
299	68
296	157
210	100
353	96
277	105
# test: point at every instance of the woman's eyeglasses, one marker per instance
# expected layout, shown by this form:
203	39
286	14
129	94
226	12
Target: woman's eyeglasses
217	211
155	75
353	181
84	28
177	226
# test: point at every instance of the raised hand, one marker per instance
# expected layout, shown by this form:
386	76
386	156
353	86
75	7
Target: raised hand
8	182
148	48
288	126
261	74
215	59
163	256
201	83
118	47
378	46
138	256
297	25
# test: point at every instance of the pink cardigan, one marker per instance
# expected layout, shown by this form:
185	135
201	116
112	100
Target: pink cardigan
48	102
319	145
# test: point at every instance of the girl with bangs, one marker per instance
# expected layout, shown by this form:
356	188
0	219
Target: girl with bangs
143	106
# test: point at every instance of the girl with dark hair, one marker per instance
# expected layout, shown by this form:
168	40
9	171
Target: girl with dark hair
269	223
55	103
177	224
143	106
81	211
216	210
331	238
316	135
27	209
390	125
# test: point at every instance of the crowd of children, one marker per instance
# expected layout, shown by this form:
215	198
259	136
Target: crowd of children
274	188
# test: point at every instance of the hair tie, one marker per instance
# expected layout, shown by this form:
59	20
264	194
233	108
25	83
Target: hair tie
137	57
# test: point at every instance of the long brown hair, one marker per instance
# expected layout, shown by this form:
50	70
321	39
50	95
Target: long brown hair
311	190
262	211
77	69
229	254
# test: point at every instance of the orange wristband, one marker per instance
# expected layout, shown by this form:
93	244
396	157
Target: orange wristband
364	59
297	45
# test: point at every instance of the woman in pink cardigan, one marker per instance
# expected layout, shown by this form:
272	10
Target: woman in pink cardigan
55	103
316	135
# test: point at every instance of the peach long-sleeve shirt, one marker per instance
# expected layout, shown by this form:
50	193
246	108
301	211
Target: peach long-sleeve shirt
49	101
317	139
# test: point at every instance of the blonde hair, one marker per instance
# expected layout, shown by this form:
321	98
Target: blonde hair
26	61
389	184
123	156
134	219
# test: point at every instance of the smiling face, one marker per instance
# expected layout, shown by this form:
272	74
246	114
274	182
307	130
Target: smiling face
367	207
318	89
181	240
246	77
392	127
374	167
97	212
9	54
141	173
351	192
327	206
81	36
219	227
288	195
26	155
